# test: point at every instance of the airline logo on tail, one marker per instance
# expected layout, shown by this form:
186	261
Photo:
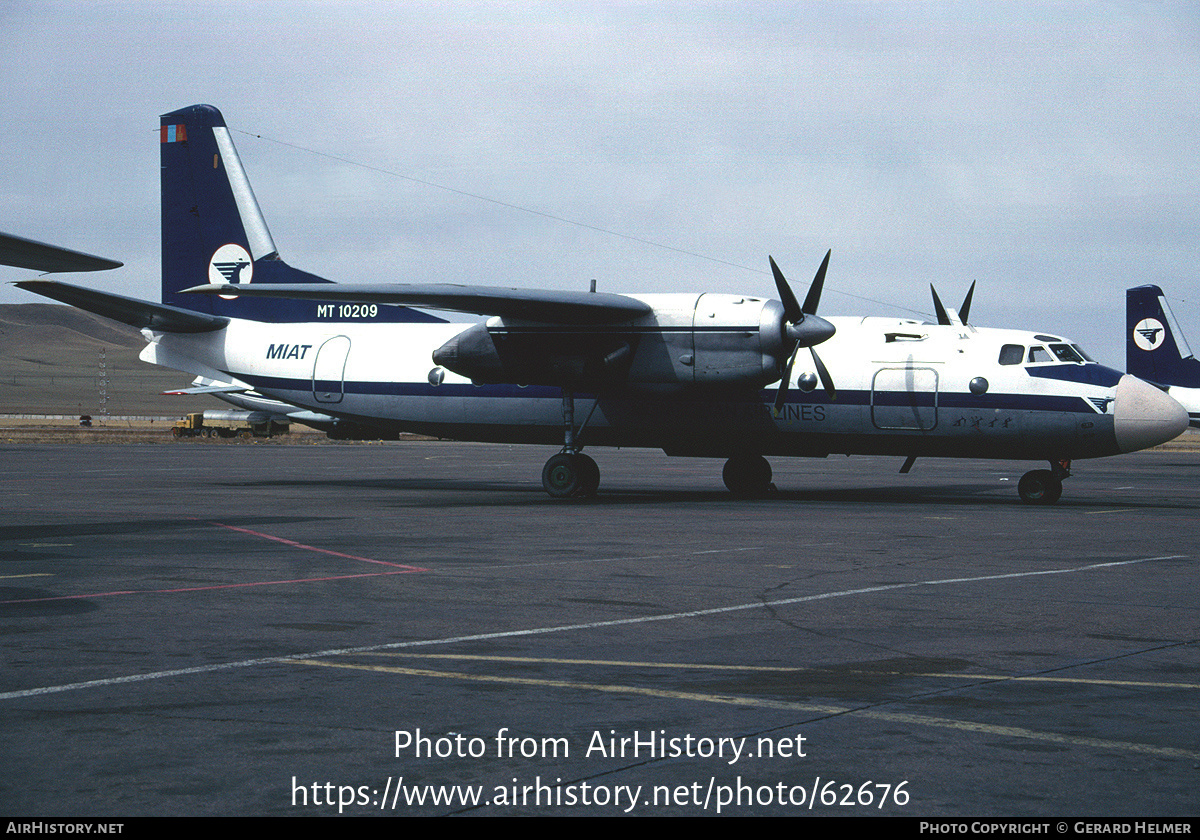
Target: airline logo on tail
230	264
1148	334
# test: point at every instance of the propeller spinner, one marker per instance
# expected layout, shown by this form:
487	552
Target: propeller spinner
803	328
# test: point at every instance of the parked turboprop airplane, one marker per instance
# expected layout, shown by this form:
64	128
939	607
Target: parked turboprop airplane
697	374
1156	350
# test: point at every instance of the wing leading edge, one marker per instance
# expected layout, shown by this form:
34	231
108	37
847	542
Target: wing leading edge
20	252
137	313
559	307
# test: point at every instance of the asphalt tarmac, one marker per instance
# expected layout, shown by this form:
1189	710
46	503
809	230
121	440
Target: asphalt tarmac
416	628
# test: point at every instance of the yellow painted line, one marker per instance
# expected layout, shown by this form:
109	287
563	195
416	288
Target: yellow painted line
758	702
1001	677
777	669
1101	512
31	574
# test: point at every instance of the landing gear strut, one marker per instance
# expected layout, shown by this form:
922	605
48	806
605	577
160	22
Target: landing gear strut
1044	487
570	472
747	475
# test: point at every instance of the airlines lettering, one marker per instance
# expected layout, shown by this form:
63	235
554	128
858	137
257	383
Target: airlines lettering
755	411
287	351
802	411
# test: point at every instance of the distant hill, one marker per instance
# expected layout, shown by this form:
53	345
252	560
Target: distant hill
50	364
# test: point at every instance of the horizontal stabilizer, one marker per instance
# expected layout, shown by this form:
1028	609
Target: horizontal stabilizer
28	253
137	313
560	307
206	389
313	418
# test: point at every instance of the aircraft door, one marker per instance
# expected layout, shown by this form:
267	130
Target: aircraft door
904	398
329	370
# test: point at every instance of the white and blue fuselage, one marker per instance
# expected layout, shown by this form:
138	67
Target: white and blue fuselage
902	387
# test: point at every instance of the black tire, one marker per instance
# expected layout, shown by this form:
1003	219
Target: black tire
1040	487
589	475
747	476
561	477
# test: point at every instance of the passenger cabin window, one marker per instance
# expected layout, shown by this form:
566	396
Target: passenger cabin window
1039	355
1012	354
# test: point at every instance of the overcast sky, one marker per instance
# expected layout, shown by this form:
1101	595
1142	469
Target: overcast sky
1047	150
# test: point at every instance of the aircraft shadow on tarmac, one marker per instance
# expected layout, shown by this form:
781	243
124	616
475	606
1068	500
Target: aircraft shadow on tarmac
474	492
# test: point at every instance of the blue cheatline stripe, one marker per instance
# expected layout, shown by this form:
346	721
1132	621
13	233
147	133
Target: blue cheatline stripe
946	401
1083	374
618	330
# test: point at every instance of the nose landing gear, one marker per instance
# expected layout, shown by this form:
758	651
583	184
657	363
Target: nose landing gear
1044	487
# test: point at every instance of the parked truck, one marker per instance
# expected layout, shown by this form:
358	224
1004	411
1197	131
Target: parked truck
227	424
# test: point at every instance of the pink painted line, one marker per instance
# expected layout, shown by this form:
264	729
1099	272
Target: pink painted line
295	544
202	588
401	569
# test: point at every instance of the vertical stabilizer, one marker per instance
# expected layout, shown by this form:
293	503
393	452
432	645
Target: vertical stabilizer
213	230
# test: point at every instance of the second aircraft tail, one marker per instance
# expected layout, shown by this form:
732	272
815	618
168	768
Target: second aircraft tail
1155	349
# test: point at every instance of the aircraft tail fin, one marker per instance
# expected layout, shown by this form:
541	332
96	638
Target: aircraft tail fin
1155	348
213	230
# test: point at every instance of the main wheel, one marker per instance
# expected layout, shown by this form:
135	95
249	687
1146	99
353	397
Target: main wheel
571	475
747	475
589	475
1040	487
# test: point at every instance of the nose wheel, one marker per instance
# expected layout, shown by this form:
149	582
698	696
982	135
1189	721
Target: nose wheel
1044	487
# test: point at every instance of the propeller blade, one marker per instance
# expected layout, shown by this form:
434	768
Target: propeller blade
814	291
791	307
803	328
966	307
823	372
781	396
940	310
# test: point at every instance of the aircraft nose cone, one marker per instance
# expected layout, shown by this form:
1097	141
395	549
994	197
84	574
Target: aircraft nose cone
1144	416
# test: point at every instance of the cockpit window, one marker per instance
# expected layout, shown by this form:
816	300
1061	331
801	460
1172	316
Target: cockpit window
1081	352
1066	353
1012	354
1038	355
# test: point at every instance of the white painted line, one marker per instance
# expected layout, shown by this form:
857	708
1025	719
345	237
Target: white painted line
562	628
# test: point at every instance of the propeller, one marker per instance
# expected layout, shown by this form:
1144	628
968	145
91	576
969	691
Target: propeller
803	328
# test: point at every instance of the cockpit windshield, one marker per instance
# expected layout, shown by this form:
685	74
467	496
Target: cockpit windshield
1038	354
1065	353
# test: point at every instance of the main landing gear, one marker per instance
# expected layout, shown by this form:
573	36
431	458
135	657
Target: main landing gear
1044	487
570	472
747	476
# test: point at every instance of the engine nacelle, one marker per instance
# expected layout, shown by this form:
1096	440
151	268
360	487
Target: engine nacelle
709	340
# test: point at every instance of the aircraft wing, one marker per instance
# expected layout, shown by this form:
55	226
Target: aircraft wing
523	304
20	252
136	313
